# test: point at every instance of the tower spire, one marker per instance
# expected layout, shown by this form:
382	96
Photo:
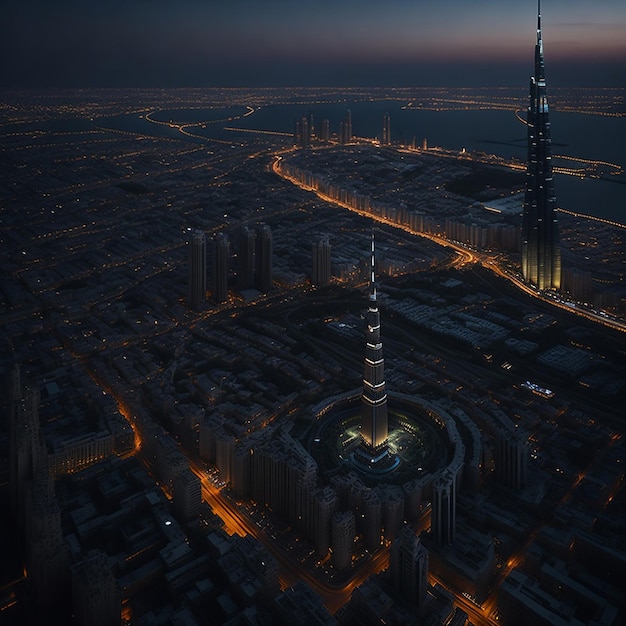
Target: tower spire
374	396
372	275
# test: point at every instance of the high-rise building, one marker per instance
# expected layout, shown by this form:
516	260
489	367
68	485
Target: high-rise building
371	519
220	256
324	505
443	516
541	251
342	532
345	128
27	452
408	566
511	457
386	140
95	596
325	132
263	260
47	553
197	268
374	429
187	495
245	259
348	126
320	270
311	124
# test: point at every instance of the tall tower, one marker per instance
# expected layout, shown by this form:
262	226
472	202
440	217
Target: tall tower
374	395
263	260
219	275
197	268
541	250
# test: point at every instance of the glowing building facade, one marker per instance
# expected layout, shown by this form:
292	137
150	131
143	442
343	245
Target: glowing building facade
374	428
541	251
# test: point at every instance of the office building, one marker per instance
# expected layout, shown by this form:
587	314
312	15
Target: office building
263	258
320	257
219	267
408	566
197	268
541	251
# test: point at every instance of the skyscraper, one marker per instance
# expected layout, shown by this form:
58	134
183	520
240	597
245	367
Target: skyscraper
325	132
263	260
386	140
443	516
511	457
345	128
197	268
408	565
374	395
219	267
541	251
245	259
320	257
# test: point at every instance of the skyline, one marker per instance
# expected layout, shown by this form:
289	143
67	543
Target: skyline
304	43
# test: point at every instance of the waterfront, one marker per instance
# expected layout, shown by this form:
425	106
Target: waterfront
486	129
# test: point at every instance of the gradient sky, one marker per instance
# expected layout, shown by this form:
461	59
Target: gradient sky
307	42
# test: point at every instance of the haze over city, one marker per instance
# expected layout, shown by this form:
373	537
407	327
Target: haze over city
304	42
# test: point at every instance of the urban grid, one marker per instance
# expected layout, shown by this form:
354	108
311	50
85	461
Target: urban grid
258	377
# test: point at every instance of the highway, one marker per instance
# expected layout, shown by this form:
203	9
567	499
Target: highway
467	257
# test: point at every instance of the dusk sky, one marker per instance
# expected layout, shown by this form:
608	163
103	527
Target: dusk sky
154	43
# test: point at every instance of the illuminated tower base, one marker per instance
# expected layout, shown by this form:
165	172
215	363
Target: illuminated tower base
373	453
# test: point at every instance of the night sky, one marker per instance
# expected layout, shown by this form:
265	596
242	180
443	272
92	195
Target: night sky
163	43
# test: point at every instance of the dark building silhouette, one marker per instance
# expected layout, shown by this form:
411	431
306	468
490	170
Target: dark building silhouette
320	257
345	128
408	566
263	260
302	137
541	252
197	268
443	516
325	130
219	267
245	259
386	139
511	458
